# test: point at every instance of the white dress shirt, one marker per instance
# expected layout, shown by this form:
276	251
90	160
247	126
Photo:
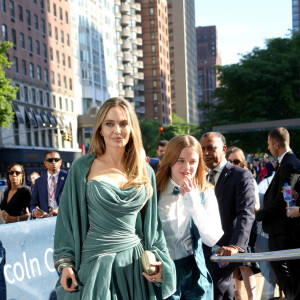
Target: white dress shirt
282	156
175	212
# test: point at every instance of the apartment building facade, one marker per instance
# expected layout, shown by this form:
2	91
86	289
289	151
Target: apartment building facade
45	112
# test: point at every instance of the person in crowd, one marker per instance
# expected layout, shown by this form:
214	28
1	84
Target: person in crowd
17	197
256	168
269	166
283	231
189	213
294	211
236	156
33	177
161	149
262	171
234	190
108	216
47	190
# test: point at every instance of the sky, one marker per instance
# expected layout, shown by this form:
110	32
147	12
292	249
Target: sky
244	24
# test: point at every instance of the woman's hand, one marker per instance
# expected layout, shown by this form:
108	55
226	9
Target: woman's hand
293	212
158	276
68	280
187	185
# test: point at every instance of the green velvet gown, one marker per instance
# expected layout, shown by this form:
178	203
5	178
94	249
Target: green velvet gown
100	228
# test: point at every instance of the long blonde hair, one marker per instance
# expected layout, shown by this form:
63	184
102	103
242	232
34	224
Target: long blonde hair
173	150
135	165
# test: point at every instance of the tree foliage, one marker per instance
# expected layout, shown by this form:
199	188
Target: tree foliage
263	86
7	91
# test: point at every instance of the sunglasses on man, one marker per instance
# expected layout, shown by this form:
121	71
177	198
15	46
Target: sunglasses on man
13	172
50	160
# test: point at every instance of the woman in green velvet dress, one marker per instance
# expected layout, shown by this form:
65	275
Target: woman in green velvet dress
108	217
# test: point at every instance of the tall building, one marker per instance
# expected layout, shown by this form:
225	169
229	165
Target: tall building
156	60
207	57
129	53
45	112
296	13
183	59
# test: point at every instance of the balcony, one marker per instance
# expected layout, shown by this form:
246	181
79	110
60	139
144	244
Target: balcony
129	94
137	6
139	41
126	45
117	2
121	79
126	32
138	18
125	8
119	53
121	93
127	57
138	29
120	67
140	64
125	20
141	75
128	81
128	70
140	99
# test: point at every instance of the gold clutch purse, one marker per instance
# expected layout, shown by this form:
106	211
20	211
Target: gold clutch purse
147	259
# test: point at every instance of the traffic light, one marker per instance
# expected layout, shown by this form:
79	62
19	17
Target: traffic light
161	130
65	135
69	136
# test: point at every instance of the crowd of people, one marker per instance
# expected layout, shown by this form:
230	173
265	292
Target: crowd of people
200	198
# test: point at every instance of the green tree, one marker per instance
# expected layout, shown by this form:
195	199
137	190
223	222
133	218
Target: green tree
263	86
7	91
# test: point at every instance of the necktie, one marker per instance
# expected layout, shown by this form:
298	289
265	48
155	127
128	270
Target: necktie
52	191
211	176
176	190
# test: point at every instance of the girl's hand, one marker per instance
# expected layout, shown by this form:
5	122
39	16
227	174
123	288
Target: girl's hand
158	276
187	185
68	280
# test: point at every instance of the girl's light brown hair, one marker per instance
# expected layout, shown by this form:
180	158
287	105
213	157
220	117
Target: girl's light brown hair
173	150
135	165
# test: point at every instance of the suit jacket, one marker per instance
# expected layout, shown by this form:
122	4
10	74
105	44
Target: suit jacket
273	215
39	195
236	198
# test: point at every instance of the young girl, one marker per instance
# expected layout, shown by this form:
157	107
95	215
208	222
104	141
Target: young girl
189	213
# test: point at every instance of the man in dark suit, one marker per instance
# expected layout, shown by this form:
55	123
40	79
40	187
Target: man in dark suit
48	188
234	189
283	232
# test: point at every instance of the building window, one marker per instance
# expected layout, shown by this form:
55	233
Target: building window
30	45
56	33
152	23
33	96
22	40
153	59
54	9
42	5
37	47
14	38
43	27
51	54
49	30
57	56
152	48
20	9
60	14
65	82
151	11
66	104
70	84
153	72
52	77
154	83
24	68
3	6
58	80
152	35
41	98
18	92
62	37
39	73
68	39
46	75
28	18
60	102
16	65
63	59
4	32
12	9
155	96
54	101
36	22
31	70
48	6
69	62
26	98
67	17
47	99
45	51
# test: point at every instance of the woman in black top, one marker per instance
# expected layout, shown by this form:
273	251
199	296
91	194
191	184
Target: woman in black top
16	196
